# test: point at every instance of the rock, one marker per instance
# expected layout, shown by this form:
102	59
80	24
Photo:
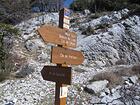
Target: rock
43	57
128	83
34	45
110	98
133	79
118	44
42	94
116	95
86	12
102	94
97	86
26	36
105	20
8	42
107	91
95	99
10	102
25	71
117	88
30	46
78	69
100	63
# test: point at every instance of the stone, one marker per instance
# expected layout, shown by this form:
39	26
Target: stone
128	83
30	46
95	99
86	11
25	71
26	36
110	98
97	86
133	79
34	45
43	57
100	63
102	94
107	91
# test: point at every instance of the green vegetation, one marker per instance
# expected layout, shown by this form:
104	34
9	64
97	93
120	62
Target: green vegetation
14	11
90	30
104	5
5	30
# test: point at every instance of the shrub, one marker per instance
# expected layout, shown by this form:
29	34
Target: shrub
113	78
90	30
5	30
136	69
136	11
14	11
95	16
103	5
3	76
103	26
121	62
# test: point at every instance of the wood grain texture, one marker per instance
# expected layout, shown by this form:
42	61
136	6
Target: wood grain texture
63	101
66	56
59	36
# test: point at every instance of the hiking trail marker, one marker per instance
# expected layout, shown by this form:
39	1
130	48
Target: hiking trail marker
61	55
66	56
58	36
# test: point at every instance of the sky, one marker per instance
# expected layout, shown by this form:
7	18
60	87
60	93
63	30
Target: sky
67	3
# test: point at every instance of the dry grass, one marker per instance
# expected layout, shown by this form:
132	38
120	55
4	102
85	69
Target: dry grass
11	65
3	76
115	77
136	69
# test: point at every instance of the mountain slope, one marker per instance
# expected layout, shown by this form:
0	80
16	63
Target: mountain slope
107	41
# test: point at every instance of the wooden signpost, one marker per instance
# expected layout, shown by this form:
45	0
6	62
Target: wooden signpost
57	74
61	55
66	56
58	36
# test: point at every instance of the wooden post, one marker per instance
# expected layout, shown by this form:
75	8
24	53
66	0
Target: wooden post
57	94
58	99
61	55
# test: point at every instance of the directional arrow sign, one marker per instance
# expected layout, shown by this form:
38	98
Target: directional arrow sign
57	74
66	56
58	36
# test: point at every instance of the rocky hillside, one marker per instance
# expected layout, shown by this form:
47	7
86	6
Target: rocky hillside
111	46
111	39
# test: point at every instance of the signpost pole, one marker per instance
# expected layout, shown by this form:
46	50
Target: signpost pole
59	87
57	93
61	55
